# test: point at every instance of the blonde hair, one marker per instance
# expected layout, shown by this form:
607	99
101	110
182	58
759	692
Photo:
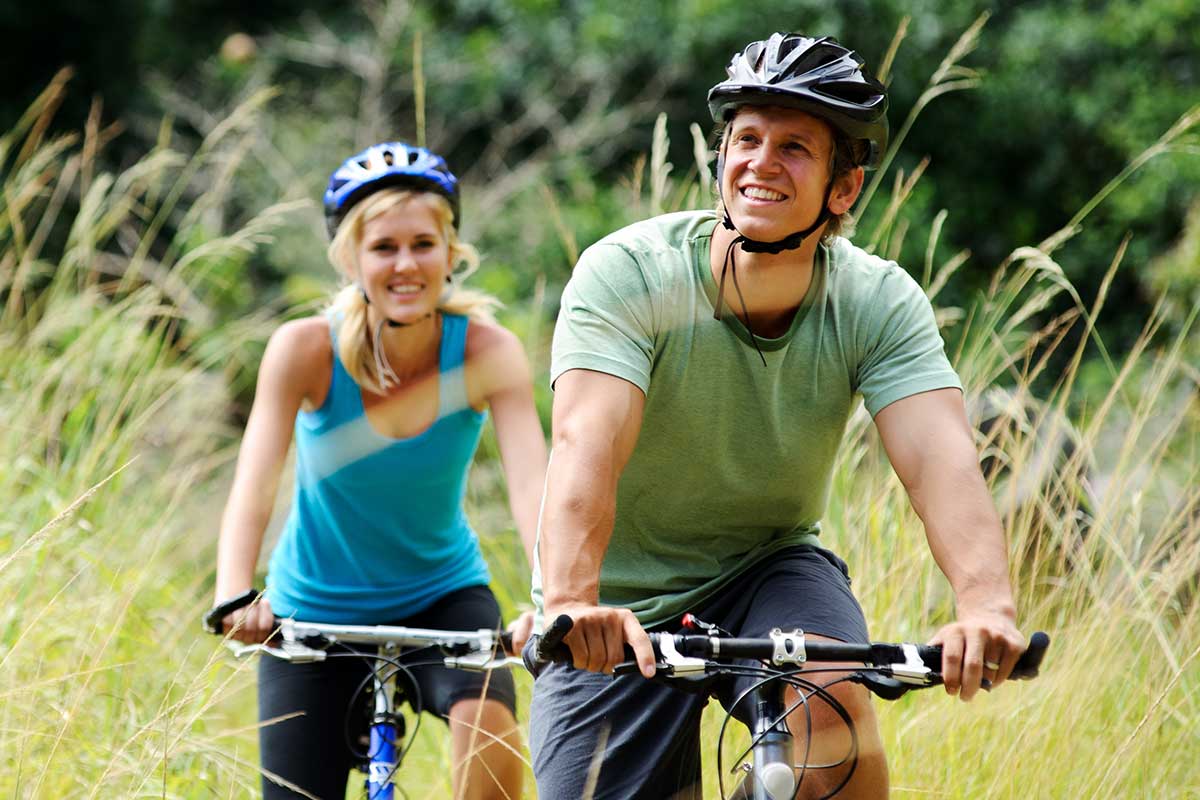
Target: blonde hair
355	339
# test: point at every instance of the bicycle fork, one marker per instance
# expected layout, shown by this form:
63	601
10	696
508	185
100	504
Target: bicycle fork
772	776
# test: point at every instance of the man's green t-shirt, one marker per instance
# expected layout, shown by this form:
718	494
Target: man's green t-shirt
733	460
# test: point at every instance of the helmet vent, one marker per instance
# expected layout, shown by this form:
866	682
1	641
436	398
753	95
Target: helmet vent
850	92
756	54
384	165
816	57
787	46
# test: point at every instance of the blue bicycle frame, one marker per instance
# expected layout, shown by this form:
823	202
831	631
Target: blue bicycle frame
385	727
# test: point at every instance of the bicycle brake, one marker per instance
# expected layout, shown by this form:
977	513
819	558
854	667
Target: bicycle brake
294	652
892	681
913	670
676	664
672	667
692	622
480	661
882	686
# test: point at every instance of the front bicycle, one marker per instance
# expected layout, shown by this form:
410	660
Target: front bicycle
389	680
775	663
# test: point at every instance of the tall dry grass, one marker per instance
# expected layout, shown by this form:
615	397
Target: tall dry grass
114	438
112	426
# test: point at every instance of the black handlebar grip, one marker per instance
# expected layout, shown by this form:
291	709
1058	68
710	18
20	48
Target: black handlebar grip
1026	667
1031	660
550	647
212	620
931	655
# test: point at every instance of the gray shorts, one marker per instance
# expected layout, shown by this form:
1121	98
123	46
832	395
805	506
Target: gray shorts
650	732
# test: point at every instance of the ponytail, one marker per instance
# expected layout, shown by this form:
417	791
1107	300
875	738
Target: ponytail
348	312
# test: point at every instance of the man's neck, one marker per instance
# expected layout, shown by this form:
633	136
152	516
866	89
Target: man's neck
773	285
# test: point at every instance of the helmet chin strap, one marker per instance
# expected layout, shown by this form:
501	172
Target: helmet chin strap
729	264
383	368
792	242
391	323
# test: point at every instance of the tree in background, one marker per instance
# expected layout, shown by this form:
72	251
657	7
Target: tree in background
538	102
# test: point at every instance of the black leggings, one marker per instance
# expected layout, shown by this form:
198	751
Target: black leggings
310	750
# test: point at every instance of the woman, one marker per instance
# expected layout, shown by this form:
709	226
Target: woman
386	394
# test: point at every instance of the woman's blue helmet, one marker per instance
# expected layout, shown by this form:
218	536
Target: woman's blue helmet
383	165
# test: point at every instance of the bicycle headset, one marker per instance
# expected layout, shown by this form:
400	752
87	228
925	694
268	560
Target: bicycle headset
815	75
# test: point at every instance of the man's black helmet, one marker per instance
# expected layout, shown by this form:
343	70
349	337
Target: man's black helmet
818	76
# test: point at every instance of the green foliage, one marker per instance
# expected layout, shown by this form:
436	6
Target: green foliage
1073	91
531	97
110	430
113	45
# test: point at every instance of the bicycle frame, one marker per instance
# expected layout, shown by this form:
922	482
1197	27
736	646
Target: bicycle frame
385	733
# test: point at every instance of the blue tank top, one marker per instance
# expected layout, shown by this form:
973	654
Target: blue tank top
377	530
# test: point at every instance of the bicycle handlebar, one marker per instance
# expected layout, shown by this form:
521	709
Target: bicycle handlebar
300	641
211	622
679	655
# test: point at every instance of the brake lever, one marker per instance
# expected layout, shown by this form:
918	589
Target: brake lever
882	685
481	661
671	662
913	670
294	652
893	681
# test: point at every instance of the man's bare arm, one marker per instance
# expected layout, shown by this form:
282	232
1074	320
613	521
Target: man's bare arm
596	421
930	445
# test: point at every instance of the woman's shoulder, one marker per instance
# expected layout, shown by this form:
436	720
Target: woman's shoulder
299	358
304	338
495	359
488	338
487	330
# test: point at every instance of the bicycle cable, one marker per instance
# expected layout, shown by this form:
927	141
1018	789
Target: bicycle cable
415	701
805	689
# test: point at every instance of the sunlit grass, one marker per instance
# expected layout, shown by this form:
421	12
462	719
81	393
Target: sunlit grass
116	447
113	425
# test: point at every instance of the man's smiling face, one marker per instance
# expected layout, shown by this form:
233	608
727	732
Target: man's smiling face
777	168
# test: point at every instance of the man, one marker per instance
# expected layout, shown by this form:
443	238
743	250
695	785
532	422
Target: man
692	447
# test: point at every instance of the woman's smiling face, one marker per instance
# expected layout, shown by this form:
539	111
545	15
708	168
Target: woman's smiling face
404	260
